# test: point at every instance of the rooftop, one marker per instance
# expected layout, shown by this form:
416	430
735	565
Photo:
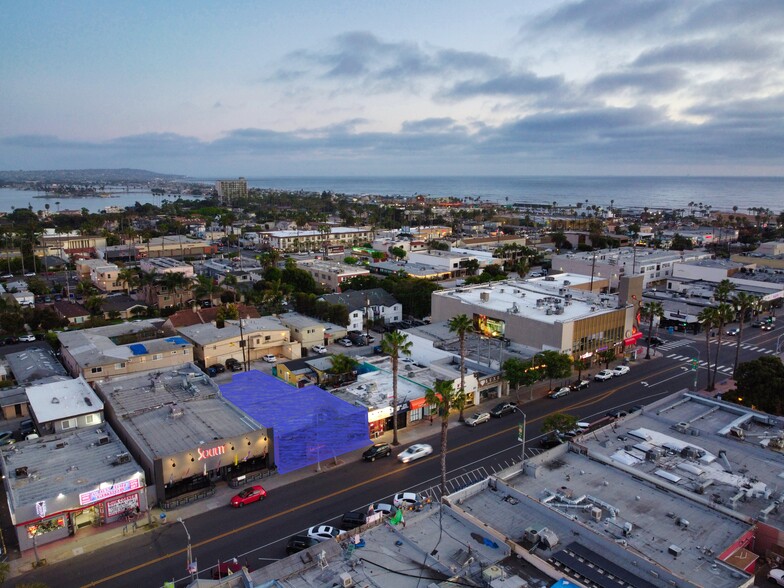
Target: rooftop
34	364
89	348
300	234
70	463
62	400
173	410
204	334
549	299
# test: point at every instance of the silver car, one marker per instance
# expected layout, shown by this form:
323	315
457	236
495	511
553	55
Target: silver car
477	419
417	451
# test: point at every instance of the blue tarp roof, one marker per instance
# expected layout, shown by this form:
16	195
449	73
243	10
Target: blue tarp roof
137	348
177	340
309	424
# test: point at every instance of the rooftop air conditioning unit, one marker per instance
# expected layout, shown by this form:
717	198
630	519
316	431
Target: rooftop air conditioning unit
484	296
346	580
122	458
21	472
103	440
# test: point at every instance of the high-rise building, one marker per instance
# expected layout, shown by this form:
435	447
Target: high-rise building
231	189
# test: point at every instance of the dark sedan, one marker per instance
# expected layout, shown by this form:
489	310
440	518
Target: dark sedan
377	450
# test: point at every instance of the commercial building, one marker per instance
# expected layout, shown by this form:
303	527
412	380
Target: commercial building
183	433
33	364
655	265
177	246
551	313
413	270
59	244
76	473
229	190
94	355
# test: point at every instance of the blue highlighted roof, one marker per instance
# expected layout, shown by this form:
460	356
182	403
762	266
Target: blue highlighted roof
137	348
309	424
177	340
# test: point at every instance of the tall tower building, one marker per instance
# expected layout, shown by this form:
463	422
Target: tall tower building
231	189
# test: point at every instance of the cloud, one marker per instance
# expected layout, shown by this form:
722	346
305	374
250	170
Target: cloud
511	84
708	51
644	82
606	16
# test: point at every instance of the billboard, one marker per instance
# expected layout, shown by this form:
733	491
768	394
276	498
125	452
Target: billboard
488	326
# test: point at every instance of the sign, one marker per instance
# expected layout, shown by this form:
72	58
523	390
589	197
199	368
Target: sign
40	508
115	507
103	493
211	452
379	413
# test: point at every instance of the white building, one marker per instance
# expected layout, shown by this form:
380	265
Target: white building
374	304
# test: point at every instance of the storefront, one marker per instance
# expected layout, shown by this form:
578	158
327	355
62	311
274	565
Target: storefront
377	420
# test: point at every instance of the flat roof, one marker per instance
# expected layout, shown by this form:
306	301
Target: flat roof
34	363
204	334
62	400
89	348
294	319
174	410
333	231
548	300
70	463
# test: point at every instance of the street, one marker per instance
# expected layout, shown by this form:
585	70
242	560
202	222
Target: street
258	534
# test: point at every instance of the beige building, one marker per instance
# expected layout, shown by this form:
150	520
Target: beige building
176	246
103	274
54	243
331	274
317	240
229	190
257	337
545	314
304	329
93	353
158	295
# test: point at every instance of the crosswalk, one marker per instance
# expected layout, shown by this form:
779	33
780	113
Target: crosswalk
688	356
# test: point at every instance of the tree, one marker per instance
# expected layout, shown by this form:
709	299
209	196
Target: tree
556	365
606	357
679	242
442	396
760	384
580	365
94	304
651	311
559	422
521	373
206	289
395	344
343	367
462	325
129	277
723	291
744	303
708	319
724	314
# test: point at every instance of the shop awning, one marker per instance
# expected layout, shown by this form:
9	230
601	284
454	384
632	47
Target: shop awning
417	403
633	339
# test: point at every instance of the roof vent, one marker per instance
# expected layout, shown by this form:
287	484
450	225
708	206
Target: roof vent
21	472
55	400
121	458
60	445
87	401
103	440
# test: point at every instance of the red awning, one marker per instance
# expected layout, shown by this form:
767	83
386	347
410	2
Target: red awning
633	339
417	403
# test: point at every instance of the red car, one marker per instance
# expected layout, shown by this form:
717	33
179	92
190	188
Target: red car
252	494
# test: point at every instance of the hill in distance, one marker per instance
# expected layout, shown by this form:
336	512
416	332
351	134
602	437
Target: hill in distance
86	176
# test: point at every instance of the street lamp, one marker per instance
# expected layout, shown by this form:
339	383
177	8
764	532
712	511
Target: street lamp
189	561
521	437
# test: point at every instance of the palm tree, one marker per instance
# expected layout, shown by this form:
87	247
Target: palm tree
394	344
129	277
708	320
230	281
442	395
724	314
651	310
743	303
461	325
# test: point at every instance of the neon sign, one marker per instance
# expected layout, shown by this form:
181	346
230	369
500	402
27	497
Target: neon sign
212	452
109	491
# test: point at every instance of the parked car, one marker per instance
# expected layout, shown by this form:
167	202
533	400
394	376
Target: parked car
299	543
416	451
26	427
582	384
503	408
621	370
384	508
27	338
233	365
324	532
617	414
407	500
249	496
318	349
6	437
6	277
353	519
776	575
563	391
477	419
219	369
269	358
603	375
733	332
345	342
376	451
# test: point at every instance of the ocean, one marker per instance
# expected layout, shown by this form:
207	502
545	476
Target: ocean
721	193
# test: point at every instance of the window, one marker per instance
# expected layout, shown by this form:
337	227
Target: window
267	337
119	366
68	424
89	419
96	370
157	356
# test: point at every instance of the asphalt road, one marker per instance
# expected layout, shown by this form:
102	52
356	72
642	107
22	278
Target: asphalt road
257	534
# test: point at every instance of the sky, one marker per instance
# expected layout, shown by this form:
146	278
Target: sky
453	87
